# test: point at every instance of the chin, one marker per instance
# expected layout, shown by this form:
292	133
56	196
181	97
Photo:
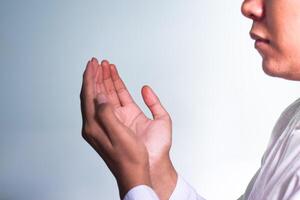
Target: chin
281	70
271	68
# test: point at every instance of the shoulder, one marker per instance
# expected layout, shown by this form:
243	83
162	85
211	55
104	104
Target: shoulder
288	116
286	125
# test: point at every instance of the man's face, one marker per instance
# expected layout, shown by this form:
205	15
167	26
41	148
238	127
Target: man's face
276	29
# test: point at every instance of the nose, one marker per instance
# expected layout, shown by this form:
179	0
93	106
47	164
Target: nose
253	9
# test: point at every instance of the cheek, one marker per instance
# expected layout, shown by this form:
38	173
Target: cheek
284	28
283	21
288	40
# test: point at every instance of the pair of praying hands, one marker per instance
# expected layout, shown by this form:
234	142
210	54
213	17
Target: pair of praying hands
134	147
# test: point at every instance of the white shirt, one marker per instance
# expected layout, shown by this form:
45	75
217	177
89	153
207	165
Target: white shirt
278	178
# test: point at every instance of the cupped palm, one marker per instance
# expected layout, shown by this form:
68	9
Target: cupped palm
154	133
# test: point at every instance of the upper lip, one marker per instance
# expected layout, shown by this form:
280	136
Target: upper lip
255	36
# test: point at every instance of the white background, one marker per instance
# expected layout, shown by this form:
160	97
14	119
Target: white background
196	54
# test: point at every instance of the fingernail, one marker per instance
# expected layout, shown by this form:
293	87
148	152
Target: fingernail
101	98
112	66
94	59
104	62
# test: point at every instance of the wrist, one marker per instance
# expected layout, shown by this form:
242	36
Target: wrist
134	177
163	177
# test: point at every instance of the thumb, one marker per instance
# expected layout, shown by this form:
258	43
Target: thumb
106	117
153	103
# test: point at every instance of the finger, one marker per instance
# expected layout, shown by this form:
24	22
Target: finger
92	133
109	85
122	92
99	81
111	125
87	91
153	103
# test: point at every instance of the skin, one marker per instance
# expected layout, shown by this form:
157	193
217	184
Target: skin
125	155
276	30
279	22
134	147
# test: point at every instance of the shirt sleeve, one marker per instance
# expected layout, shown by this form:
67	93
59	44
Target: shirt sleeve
182	191
141	192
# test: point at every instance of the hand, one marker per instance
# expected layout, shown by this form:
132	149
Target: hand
124	154
156	134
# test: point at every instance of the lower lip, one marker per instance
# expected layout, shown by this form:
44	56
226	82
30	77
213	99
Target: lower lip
260	43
